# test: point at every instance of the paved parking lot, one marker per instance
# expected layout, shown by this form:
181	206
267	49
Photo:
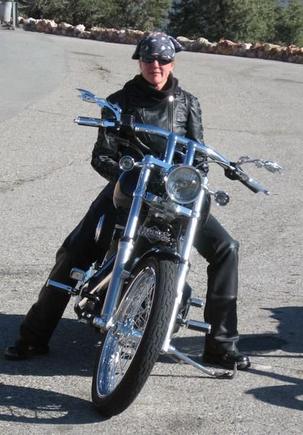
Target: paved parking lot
251	107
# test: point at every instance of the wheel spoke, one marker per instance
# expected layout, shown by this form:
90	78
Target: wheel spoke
122	341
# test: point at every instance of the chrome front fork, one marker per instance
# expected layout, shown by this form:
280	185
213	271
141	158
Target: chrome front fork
105	321
167	347
184	263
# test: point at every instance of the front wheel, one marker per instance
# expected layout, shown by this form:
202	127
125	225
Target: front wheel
131	347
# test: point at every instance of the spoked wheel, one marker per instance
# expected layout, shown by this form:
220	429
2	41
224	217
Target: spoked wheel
131	347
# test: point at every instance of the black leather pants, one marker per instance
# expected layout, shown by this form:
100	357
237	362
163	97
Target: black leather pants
80	250
221	251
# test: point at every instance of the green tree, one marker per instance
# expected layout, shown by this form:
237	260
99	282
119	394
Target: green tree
137	14
233	19
289	25
41	8
86	12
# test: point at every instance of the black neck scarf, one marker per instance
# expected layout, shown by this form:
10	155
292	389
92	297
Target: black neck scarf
141	93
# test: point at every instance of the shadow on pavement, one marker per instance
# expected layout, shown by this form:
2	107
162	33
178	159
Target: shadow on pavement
72	353
72	350
288	396
288	338
37	406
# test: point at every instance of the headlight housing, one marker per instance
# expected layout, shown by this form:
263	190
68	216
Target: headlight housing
183	184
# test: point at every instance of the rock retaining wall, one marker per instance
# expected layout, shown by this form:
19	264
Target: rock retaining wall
289	53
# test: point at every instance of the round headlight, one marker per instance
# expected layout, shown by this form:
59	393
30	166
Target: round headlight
183	184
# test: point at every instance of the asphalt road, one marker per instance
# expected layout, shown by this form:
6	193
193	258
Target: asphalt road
251	107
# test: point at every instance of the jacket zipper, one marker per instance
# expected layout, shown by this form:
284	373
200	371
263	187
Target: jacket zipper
171	107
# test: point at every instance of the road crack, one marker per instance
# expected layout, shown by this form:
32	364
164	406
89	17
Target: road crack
10	186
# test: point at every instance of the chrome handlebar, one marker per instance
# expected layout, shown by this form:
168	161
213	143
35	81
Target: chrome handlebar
119	120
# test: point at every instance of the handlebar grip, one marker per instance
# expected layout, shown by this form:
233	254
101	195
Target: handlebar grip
254	185
95	122
90	122
234	172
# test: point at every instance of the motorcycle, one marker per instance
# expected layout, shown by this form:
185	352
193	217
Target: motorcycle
138	297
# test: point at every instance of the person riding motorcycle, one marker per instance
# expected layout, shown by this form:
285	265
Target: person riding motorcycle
153	97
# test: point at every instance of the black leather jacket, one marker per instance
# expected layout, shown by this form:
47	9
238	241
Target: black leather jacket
172	108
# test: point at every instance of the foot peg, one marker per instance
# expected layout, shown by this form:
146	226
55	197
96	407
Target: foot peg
195	325
196	302
60	286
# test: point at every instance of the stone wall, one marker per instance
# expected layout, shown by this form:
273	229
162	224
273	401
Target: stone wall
289	53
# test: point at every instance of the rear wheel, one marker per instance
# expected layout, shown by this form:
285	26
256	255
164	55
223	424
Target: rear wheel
131	347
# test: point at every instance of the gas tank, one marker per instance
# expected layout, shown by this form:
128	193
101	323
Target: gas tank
125	186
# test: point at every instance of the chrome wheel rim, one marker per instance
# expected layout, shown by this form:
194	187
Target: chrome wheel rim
123	339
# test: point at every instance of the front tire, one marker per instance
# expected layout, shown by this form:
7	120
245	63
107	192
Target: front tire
131	347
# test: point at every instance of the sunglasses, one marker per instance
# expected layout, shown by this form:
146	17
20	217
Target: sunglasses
151	59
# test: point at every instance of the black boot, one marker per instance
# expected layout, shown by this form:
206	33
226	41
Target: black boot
21	350
225	355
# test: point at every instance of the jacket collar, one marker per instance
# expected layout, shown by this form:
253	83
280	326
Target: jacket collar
143	94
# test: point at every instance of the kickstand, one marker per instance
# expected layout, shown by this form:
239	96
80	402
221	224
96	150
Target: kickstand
219	374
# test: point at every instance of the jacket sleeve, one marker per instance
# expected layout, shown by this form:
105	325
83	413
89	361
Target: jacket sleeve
106	154
194	120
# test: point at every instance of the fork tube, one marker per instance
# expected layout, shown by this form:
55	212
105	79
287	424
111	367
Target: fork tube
184	263
170	149
124	252
132	221
190	154
193	223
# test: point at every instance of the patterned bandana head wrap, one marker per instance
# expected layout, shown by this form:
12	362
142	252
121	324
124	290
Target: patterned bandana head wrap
157	45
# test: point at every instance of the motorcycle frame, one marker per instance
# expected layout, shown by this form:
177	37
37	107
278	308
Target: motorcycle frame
126	244
119	273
